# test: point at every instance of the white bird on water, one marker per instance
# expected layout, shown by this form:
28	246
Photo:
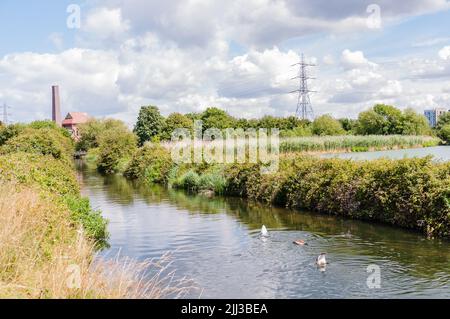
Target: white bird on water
321	261
264	232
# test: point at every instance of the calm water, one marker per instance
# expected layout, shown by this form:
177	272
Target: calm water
216	242
439	153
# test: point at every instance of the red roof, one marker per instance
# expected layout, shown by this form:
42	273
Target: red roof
75	118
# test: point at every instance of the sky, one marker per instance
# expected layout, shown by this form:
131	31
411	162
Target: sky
110	57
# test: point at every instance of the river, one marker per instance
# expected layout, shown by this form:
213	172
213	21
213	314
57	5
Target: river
216	243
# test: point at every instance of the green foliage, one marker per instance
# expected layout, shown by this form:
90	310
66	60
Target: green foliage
411	193
92	131
352	142
216	118
444	120
388	120
176	121
300	131
414	124
151	163
349	125
44	141
10	131
93	223
444	133
327	126
150	123
45	172
116	146
47	124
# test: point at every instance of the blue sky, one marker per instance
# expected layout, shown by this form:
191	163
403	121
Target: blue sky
187	55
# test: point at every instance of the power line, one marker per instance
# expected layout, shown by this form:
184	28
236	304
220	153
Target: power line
6	114
304	107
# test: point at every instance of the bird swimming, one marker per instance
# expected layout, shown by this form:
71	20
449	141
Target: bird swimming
300	242
264	232
321	261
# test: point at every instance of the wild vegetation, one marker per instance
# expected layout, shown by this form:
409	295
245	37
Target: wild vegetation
380	120
355	143
49	234
410	193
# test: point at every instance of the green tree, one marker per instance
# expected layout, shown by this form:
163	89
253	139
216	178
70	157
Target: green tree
444	133
116	147
327	125
414	124
216	118
175	121
444	119
150	123
348	125
93	129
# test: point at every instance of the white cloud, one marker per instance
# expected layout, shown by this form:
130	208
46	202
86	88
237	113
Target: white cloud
105	23
444	53
355	59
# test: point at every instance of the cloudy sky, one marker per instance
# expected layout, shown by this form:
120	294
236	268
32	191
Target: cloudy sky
184	56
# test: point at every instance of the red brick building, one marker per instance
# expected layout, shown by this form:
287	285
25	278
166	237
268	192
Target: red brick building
72	122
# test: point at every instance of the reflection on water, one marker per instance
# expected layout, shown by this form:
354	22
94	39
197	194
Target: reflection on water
439	153
216	242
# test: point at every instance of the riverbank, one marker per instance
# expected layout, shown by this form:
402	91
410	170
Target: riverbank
409	193
49	234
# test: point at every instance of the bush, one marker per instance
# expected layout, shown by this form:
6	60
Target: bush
54	177
444	133
116	148
92	131
151	163
93	223
10	131
411	193
42	141
326	126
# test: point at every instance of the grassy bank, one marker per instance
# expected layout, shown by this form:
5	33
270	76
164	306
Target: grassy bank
354	143
49	234
410	193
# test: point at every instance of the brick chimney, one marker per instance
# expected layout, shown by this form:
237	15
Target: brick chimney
56	106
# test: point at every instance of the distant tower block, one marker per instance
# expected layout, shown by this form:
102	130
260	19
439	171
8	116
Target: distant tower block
56	106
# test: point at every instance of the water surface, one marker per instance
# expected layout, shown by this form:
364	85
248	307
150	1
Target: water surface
216	243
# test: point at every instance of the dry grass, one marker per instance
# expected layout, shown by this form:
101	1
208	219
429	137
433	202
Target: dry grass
43	255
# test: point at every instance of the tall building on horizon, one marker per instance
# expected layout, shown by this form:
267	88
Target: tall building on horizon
434	114
56	106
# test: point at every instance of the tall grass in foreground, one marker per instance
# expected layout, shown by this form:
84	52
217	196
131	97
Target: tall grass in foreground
43	256
355	143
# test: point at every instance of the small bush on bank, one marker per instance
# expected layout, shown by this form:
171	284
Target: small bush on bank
151	163
10	131
116	147
44	141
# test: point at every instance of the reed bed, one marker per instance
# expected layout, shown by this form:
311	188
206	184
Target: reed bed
354	143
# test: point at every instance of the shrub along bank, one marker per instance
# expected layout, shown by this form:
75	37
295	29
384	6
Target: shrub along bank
410	193
49	233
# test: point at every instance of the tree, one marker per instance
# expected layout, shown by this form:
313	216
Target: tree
327	125
216	118
175	121
444	133
92	130
444	119
391	118
414	124
348	124
115	147
150	123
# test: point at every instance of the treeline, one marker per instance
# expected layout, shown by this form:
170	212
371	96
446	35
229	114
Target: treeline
380	120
